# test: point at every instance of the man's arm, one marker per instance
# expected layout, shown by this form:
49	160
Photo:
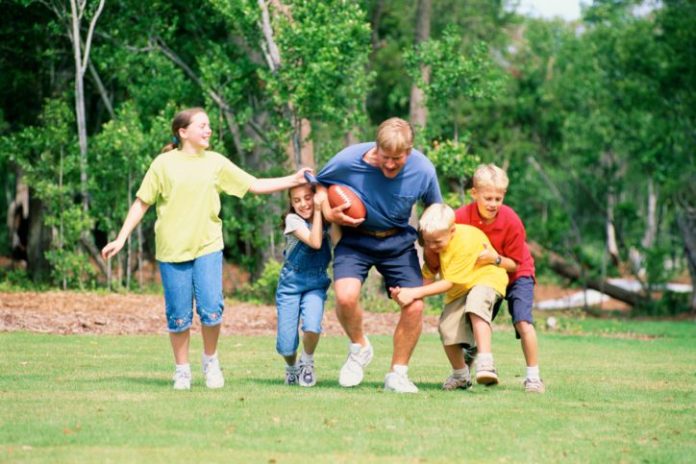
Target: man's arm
336	215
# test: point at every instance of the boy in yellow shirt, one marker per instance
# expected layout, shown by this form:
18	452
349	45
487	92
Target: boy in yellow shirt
471	292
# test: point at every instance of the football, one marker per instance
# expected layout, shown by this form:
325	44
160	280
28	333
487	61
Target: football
340	194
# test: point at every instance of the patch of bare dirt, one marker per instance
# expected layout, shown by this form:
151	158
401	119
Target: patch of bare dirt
90	313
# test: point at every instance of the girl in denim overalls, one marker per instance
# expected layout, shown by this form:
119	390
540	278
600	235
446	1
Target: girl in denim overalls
302	284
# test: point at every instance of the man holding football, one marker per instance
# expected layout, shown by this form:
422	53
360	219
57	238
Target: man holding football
389	177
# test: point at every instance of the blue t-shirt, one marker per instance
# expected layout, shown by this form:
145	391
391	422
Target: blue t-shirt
388	201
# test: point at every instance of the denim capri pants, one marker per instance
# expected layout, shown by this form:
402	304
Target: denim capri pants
199	279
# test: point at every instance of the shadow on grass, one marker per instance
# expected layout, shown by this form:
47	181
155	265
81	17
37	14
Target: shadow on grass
329	384
149	381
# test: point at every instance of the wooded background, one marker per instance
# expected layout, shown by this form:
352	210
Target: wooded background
593	119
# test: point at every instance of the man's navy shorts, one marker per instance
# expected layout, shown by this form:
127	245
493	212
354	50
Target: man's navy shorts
395	257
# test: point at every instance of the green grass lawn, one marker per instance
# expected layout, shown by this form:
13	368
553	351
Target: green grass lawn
616	392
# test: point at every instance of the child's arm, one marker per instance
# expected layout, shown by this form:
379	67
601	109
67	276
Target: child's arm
135	215
490	256
335	233
405	296
275	184
313	237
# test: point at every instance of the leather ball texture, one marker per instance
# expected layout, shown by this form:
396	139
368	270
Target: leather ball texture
340	194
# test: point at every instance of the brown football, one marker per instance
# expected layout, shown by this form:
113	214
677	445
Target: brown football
340	194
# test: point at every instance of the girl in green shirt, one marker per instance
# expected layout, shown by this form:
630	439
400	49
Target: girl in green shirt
184	183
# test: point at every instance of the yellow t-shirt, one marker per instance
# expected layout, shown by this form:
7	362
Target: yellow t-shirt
186	189
457	264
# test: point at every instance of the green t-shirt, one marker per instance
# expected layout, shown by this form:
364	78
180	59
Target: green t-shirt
186	189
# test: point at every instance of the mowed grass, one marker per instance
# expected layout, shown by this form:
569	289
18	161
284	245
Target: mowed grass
616	392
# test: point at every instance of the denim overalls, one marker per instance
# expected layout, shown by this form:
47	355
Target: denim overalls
301	293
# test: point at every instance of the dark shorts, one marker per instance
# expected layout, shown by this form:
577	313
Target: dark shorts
520	300
394	257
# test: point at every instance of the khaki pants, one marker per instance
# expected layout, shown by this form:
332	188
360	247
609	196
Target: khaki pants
455	327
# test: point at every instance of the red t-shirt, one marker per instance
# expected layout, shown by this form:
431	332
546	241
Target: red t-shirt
506	233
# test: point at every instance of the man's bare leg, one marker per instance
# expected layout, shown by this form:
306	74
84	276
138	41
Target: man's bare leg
407	333
350	315
348	309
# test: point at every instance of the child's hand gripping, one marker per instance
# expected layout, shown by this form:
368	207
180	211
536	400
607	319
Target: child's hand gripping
319	198
487	256
403	296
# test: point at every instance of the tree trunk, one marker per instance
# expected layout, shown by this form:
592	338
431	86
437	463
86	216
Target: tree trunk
80	101
651	217
612	247
686	219
18	218
81	60
572	271
418	112
39	241
301	150
375	20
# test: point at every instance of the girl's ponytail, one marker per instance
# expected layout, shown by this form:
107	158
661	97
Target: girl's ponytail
173	145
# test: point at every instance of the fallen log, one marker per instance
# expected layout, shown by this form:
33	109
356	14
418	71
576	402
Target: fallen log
572	271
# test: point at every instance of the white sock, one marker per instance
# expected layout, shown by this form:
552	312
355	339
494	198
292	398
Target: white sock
290	368
306	358
183	368
533	372
484	357
400	369
207	359
461	373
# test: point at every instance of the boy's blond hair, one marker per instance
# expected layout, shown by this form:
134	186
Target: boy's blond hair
436	218
490	175
395	136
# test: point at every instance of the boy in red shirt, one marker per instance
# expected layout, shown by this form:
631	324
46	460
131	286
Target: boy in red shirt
507	235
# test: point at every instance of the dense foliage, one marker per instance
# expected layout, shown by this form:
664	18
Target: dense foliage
594	120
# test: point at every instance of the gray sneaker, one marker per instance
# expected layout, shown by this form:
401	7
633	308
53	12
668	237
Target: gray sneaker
454	383
469	355
534	386
307	378
486	373
291	375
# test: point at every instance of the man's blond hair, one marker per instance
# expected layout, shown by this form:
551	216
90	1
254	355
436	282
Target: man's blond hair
436	218
395	136
490	175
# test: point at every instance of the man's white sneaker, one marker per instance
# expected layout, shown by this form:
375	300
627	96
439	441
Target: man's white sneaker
306	376
358	358
182	380
399	383
213	374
